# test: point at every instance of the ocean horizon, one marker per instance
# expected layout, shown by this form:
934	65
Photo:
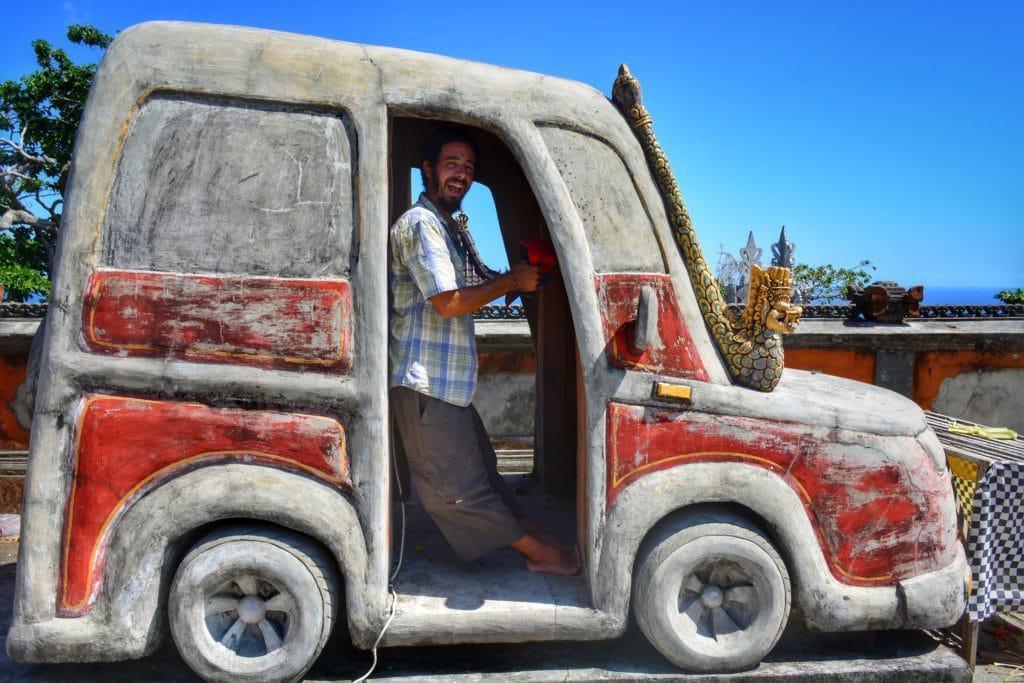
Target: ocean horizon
937	296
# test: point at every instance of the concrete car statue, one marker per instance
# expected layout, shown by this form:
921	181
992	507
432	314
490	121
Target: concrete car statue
210	449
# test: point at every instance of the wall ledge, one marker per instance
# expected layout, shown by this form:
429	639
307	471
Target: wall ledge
915	335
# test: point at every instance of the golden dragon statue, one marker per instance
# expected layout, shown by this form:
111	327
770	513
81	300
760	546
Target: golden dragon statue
750	345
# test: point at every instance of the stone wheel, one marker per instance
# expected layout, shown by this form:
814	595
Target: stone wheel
253	605
713	595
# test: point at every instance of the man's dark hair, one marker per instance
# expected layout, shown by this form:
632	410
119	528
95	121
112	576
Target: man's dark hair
430	148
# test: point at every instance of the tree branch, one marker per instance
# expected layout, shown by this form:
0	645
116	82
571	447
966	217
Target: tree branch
51	208
23	153
12	195
16	174
12	217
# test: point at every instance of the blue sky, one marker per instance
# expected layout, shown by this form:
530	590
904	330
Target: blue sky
882	130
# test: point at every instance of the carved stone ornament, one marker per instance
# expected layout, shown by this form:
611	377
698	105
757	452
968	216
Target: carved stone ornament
752	348
886	302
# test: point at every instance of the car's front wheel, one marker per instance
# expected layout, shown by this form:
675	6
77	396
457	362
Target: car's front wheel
712	594
253	605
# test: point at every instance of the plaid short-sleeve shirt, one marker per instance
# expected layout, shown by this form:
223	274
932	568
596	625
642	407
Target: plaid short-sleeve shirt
427	353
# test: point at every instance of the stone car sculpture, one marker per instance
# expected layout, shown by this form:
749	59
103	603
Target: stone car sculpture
210	451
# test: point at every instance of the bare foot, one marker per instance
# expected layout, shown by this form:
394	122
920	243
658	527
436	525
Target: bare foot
567	564
548	559
531	527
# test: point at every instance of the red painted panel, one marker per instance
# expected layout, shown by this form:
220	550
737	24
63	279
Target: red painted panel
247	320
877	519
675	356
125	447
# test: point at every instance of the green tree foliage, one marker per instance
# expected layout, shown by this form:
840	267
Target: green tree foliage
39	116
821	284
1011	296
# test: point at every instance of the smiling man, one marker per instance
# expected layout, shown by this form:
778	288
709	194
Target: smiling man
433	366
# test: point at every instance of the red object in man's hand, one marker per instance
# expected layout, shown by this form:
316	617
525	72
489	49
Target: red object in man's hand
540	253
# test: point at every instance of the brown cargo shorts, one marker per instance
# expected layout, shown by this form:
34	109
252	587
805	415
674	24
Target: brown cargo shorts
455	471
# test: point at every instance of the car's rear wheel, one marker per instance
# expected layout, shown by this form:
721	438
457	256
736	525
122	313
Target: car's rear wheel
712	594
252	604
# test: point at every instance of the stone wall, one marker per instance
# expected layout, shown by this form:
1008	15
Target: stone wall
15	339
507	385
968	369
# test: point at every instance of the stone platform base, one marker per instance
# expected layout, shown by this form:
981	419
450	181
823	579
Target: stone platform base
900	657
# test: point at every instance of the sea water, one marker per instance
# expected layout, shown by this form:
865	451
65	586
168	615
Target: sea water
937	296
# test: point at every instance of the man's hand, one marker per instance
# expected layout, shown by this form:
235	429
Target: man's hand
526	277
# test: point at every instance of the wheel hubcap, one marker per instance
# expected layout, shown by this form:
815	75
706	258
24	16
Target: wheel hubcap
251	609
249	615
711	596
718	601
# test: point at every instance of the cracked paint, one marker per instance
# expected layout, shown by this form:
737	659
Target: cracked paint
880	508
674	354
244	320
124	447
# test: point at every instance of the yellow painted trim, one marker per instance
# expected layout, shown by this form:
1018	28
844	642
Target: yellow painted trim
675	392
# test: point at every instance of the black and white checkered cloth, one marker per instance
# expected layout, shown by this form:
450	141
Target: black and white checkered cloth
995	541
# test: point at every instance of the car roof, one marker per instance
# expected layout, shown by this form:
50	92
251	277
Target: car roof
259	63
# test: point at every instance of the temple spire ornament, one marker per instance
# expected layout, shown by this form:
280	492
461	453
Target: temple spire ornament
750	255
782	251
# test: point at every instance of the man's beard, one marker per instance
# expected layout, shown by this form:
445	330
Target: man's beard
449	205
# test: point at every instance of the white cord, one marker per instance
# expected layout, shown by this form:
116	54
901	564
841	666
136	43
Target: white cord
401	542
391	581
373	666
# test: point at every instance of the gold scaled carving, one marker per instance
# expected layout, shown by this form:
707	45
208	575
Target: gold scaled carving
752	345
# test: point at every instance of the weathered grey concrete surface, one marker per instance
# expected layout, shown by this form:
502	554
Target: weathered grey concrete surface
506	402
627	659
993	393
908	658
292	178
17	331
